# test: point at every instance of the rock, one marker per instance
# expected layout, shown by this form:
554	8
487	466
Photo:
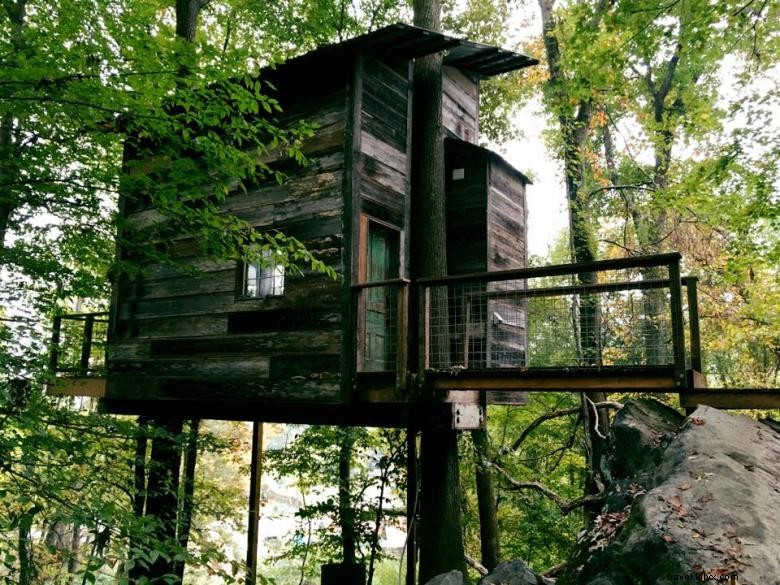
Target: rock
451	578
514	573
703	497
640	434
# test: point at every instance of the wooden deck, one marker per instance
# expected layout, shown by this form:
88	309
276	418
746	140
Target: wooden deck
91	387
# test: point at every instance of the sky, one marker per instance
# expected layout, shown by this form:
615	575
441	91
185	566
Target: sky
545	198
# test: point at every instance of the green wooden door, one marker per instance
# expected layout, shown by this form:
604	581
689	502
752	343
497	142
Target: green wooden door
380	307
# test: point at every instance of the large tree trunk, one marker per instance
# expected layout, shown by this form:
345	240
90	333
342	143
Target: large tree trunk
24	548
441	529
486	502
187	495
16	11
441	524
346	512
163	494
574	127
187	12
139	492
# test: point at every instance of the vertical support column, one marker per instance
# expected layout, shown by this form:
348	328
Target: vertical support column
411	506
86	344
255	476
678	334
56	326
693	322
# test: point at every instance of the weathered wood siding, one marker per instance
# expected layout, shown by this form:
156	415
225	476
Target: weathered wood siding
507	245
466	208
181	336
460	104
384	149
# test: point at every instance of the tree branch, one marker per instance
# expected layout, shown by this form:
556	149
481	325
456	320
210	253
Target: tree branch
563	505
635	187
476	565
557	414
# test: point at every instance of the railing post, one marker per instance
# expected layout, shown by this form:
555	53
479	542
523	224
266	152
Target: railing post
356	332
678	333
86	344
693	322
426	325
54	354
401	336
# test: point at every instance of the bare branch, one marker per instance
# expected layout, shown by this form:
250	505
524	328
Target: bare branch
635	187
563	505
476	565
557	414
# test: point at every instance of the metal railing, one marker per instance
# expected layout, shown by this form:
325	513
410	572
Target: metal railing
622	313
78	344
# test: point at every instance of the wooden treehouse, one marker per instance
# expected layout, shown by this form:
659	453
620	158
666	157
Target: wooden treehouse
256	343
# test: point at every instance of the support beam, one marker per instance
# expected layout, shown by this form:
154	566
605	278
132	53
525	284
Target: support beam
411	506
255	477
747	398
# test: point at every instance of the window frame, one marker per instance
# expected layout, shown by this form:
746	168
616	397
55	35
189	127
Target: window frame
263	273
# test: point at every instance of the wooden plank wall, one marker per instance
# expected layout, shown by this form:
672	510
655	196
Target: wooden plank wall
466	209
460	104
507	245
385	144
198	338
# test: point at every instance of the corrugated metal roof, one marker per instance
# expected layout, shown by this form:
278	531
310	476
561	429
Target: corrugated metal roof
410	42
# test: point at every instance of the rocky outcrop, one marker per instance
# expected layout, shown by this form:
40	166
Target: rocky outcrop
514	573
506	573
685	496
451	578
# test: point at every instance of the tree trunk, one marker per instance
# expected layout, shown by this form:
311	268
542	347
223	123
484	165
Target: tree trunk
486	502
139	492
574	127
16	12
24	548
187	12
162	495
187	502
346	512
441	529
441	524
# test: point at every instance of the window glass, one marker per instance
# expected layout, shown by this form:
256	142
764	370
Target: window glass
264	281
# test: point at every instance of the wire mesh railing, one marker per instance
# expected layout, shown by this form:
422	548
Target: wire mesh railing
614	313
78	344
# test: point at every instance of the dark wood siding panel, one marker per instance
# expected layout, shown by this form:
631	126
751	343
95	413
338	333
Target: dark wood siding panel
178	326
269	343
307	294
385	146
222	392
460	105
384	101
204	367
466	210
506	219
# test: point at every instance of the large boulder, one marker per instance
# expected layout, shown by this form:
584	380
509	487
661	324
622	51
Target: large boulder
451	578
696	495
514	573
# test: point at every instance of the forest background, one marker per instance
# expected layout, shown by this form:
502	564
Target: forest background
660	121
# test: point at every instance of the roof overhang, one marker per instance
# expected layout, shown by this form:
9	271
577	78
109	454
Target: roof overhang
410	42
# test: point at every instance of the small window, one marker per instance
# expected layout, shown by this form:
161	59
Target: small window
264	279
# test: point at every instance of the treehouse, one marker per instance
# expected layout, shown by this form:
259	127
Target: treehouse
258	342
